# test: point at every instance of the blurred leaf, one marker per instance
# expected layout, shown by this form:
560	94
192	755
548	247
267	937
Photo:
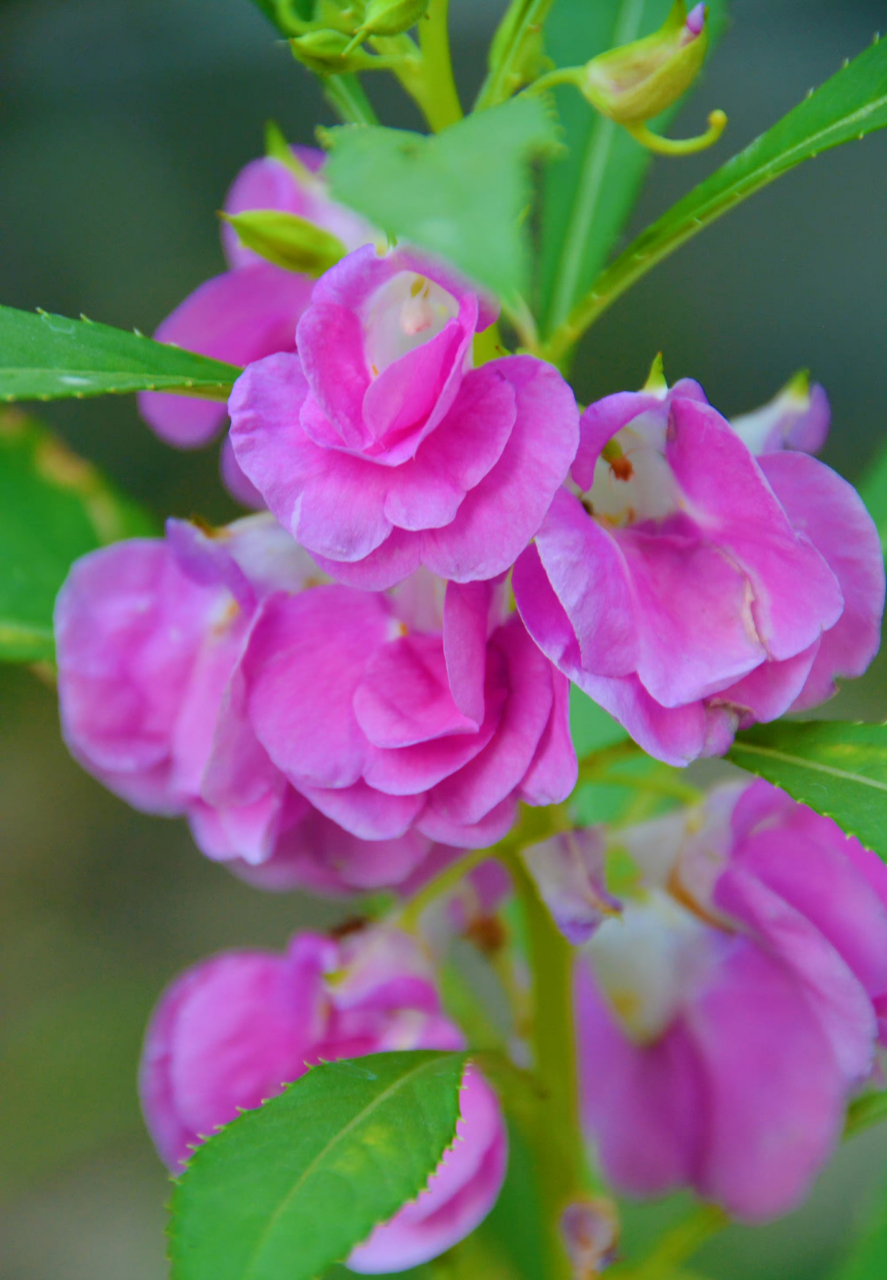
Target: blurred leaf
290	1188
461	194
47	357
868	1258
865	1111
848	106
54	507
67	1077
592	728
836	768
589	192
873	492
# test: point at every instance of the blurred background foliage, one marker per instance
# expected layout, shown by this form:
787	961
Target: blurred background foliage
121	124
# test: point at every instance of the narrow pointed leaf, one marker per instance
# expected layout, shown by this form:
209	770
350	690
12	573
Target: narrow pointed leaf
290	1188
462	194
836	768
54	507
48	357
589	189
850	105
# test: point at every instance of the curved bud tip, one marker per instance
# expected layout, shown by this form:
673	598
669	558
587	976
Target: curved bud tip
696	20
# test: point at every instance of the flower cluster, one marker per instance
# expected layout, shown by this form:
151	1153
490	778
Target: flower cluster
346	690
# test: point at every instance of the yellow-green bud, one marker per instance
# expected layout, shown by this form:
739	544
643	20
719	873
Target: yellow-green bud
330	53
636	81
391	17
287	240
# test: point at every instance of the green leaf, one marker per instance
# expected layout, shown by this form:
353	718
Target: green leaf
873	492
290	1188
591	727
54	507
868	1257
47	357
589	191
287	240
837	769
848	106
461	194
866	1110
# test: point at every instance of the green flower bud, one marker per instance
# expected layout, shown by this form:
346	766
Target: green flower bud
287	240
635	82
391	17
330	53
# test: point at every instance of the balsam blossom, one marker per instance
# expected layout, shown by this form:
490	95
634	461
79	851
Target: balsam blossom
697	577
231	1032
726	1019
381	449
150	638
252	309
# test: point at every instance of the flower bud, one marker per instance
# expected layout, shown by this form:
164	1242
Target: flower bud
636	81
287	240
391	17
331	53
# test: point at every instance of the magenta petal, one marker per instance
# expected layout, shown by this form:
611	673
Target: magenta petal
796	596
395	559
365	812
489	830
767	692
330	340
404	696
770	1127
693	610
471	793
833	992
830	512
238	317
242	489
305	659
426	491
500	515
465	620
408	399
586	567
554	770
641	1103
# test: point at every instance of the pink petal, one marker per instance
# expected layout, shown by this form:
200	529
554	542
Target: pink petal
404	696
796	596
466	611
601	421
829	511
438	825
500	515
365	812
305	659
554	769
330	340
237	317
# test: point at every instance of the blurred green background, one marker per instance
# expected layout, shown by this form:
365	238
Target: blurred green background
121	124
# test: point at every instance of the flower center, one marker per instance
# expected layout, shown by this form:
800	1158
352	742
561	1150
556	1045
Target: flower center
407	312
632	480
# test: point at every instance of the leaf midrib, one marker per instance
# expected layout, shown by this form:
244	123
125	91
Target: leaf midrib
860	779
330	1146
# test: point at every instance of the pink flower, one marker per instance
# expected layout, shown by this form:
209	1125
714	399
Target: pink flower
389	718
150	640
252	309
231	1032
725	1020
380	449
695	588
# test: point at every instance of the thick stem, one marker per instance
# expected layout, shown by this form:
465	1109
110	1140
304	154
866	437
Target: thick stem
434	41
555	1132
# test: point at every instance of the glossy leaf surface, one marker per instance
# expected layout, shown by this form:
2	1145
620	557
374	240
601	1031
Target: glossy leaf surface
47	357
54	507
461	194
836	768
290	1188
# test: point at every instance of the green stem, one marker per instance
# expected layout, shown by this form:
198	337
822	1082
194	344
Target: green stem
555	1132
523	19
448	879
434	41
347	98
